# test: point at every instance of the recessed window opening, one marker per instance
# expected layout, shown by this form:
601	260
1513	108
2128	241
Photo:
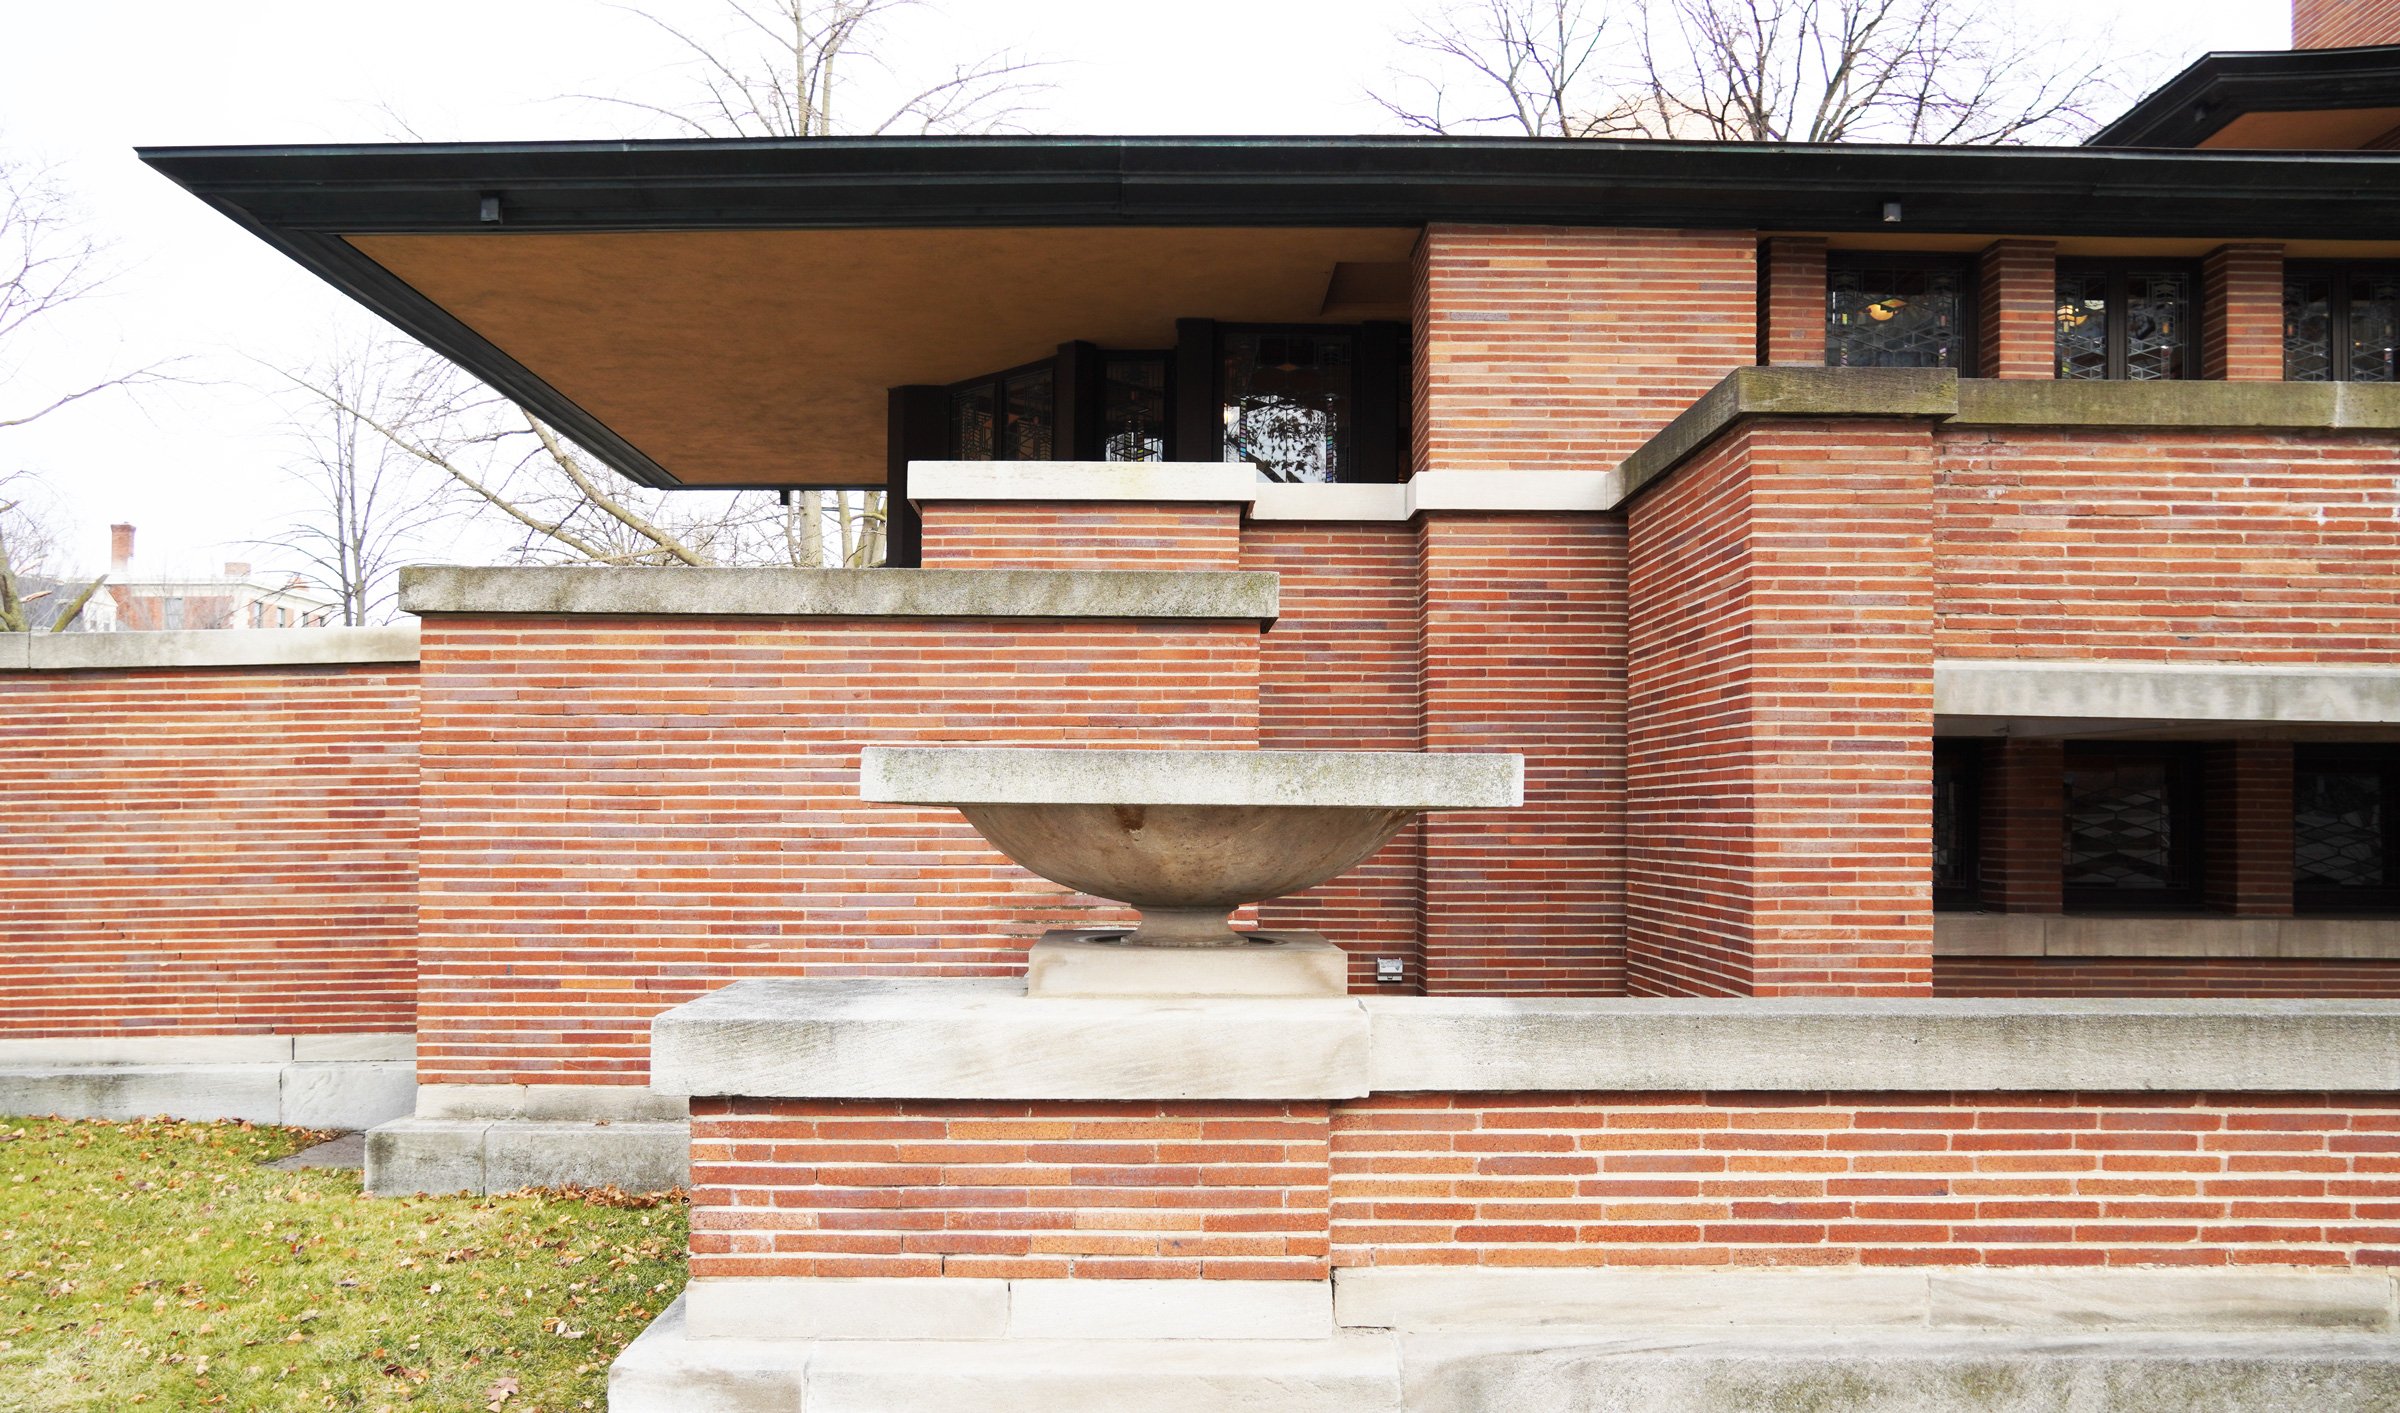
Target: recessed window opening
2341	323
1898	311
2132	827
2345	828
2126	320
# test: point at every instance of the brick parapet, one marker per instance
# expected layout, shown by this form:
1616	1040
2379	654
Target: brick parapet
2017	298
1080	535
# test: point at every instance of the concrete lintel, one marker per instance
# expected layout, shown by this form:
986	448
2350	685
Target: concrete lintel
985	1039
226	647
1470	1044
2167	691
1495	490
958	775
1159	481
1438	1298
2044	402
1930	393
2080	935
844	593
1345	501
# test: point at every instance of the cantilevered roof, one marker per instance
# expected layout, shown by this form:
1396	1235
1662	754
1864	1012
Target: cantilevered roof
731	312
2287	99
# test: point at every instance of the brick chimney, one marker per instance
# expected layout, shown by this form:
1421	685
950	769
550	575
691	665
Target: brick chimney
237	569
2338	24
120	548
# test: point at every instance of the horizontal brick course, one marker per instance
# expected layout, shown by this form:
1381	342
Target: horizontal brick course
2291	978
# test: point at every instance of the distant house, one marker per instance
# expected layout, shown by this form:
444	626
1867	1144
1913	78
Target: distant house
234	599
46	599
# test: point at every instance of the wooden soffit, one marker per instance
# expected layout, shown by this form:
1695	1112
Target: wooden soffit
762	357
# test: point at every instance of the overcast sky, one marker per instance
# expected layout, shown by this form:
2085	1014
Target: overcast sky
202	468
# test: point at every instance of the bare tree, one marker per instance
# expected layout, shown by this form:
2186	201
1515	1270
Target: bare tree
1918	71
28	547
783	64
47	262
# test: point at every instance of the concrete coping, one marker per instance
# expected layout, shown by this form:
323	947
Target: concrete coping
1002	775
843	593
222	647
2167	692
1494	489
985	1039
1940	395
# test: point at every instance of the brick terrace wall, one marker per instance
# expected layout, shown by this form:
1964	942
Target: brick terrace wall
1338	672
1793	306
1781	698
208	851
2165	976
1523	643
1867	1180
621	814
1068	535
2334	24
1550	348
2166	545
1136	1191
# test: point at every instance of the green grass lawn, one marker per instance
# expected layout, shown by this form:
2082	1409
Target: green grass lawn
157	1265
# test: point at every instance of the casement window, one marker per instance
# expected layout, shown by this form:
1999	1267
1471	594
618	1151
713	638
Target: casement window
2130	320
2133	826
1899	311
1298	402
1957	836
2341	323
2345	830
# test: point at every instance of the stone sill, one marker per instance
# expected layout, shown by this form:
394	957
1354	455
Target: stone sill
1497	490
2090	935
221	647
984	1039
2035	692
843	593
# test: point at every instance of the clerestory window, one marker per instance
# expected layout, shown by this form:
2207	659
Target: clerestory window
1899	311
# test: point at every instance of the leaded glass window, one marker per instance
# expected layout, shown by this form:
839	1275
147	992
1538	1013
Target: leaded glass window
2341	324
2345	837
1287	400
1134	408
1026	416
2132	837
2125	321
971	416
1896	313
1005	417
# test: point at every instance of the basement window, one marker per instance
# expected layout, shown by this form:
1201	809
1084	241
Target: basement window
1899	311
2345	830
2133	827
2126	321
2341	324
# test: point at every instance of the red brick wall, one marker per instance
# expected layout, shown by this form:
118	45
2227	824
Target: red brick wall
1523	642
1338	672
2297	979
1873	1179
621	814
2024	800
208	851
2166	545
1550	348
1781	697
2016	325
1136	1191
1793	305
2334	24
2241	313
2249	828
1089	535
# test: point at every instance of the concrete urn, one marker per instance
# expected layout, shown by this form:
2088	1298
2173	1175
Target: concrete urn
1187	836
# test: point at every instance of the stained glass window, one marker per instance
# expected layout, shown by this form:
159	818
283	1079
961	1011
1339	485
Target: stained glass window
1287	401
1134	408
2083	325
1895	314
2345	836
2120	321
1026	416
971	415
1007	417
2341	324
2131	839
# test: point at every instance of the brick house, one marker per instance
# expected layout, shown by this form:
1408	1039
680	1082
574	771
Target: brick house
1945	600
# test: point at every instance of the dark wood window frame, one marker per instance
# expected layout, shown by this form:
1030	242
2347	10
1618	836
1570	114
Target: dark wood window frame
1970	292
2116	273
2342	273
2186	823
2383	760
